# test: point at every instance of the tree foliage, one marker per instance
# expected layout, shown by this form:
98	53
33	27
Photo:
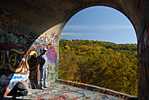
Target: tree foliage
104	64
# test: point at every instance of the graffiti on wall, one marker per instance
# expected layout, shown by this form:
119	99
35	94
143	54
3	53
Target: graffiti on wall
45	39
13	52
11	26
14	39
52	60
8	82
16	50
10	23
51	74
13	48
52	55
10	58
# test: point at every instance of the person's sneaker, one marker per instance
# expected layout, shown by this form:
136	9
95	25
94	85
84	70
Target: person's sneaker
41	88
45	87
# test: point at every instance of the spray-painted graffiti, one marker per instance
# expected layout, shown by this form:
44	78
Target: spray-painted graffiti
7	21
16	51
8	82
63	92
104	98
48	39
13	48
35	50
73	94
13	58
51	74
14	39
63	97
33	35
53	86
11	25
51	54
95	89
81	93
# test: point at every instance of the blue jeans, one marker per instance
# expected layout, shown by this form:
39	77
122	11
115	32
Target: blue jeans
43	77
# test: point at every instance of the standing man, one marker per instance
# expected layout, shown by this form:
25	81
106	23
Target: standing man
43	68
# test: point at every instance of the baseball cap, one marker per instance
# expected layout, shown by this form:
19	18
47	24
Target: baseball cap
45	48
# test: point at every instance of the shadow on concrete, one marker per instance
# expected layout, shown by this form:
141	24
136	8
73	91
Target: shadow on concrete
10	98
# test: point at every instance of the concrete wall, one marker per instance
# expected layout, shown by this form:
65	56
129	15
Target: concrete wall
16	50
27	26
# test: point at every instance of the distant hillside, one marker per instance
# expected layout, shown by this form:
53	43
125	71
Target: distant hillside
104	64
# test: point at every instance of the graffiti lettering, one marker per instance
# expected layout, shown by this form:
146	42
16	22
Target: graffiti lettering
14	60
2	59
47	39
52	35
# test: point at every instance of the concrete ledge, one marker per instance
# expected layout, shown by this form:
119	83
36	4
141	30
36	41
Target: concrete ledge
97	89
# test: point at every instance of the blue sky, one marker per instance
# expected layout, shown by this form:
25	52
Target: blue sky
100	23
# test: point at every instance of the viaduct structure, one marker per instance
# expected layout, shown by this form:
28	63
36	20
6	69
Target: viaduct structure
28	25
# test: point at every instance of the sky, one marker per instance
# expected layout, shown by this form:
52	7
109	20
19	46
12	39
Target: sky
100	23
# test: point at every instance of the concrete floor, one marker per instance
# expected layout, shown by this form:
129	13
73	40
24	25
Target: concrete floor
57	91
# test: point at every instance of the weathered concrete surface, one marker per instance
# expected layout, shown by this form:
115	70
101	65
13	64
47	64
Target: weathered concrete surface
57	91
28	25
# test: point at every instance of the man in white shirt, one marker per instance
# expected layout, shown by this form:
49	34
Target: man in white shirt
43	68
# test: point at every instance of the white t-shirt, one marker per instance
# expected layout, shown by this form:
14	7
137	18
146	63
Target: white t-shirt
46	63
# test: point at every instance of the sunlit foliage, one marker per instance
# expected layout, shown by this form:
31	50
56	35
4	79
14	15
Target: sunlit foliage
104	64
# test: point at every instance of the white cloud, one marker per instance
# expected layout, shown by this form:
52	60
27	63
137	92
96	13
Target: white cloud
115	27
73	30
71	34
102	27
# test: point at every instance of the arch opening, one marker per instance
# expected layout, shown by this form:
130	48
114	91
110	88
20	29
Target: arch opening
67	45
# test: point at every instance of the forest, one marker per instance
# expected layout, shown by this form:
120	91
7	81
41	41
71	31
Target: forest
103	64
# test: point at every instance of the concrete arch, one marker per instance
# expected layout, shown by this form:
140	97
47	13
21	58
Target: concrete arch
30	25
